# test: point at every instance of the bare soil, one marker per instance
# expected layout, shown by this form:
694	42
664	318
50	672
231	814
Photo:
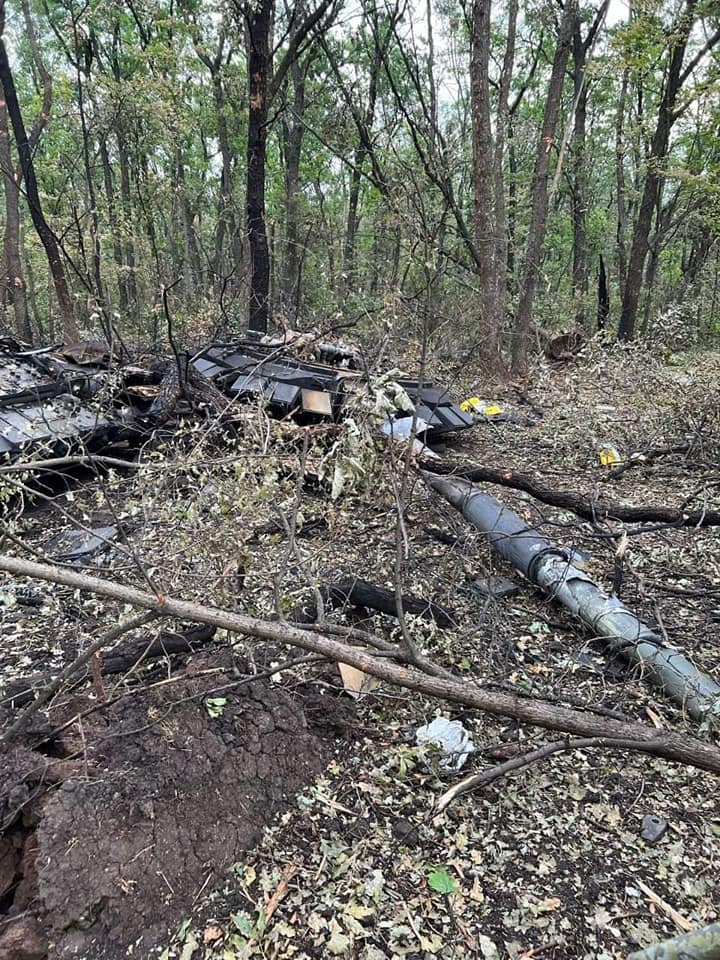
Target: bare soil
115	827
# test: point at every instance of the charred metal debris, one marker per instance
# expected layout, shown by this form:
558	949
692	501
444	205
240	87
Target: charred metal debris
56	398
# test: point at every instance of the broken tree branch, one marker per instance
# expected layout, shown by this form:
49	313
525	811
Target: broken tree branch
477	781
72	668
120	660
361	593
666	744
644	458
584	507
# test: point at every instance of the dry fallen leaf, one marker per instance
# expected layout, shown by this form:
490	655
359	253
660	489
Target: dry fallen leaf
211	934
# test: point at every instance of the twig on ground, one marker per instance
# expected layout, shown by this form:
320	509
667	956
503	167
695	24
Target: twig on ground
72	668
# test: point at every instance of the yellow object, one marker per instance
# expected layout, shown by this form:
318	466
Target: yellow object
609	456
475	405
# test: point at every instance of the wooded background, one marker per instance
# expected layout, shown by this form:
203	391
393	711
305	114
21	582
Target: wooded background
484	170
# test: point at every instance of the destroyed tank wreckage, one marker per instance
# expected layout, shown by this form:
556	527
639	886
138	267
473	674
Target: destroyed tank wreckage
56	399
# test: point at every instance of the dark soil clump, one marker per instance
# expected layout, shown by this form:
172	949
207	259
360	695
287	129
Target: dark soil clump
108	841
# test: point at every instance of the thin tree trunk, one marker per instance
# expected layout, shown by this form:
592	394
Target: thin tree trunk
654	175
45	234
483	181
100	293
538	219
114	230
580	261
293	130
191	257
512	209
603	305
127	218
259	70
226	224
502	244
622	216
13	282
361	154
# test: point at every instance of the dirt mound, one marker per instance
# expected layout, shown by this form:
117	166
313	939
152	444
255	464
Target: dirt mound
112	833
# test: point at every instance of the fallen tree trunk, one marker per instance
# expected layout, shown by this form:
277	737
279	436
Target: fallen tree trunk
702	944
551	569
666	744
584	507
360	593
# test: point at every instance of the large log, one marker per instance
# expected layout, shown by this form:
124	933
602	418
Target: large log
584	507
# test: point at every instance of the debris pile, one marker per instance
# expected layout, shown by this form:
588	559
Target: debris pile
53	399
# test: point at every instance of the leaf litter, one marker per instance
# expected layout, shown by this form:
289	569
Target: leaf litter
549	862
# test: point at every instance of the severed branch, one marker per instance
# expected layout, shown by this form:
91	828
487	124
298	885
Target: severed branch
642	459
479	780
121	659
361	593
72	668
584	507
666	744
59	463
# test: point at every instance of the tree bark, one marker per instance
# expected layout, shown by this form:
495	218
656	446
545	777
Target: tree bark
260	22
538	218
678	748
579	200
45	234
502	239
654	175
603	304
622	216
114	230
361	155
484	174
293	130
13	282
263	83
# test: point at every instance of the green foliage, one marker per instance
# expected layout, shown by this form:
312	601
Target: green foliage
163	84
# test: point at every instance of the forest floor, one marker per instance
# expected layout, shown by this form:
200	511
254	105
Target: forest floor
314	835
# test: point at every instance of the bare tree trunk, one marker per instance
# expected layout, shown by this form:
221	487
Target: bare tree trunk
127	218
100	292
538	220
13	283
580	264
260	18
622	217
502	244
483	182
191	258
45	234
603	305
654	175
114	231
293	130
